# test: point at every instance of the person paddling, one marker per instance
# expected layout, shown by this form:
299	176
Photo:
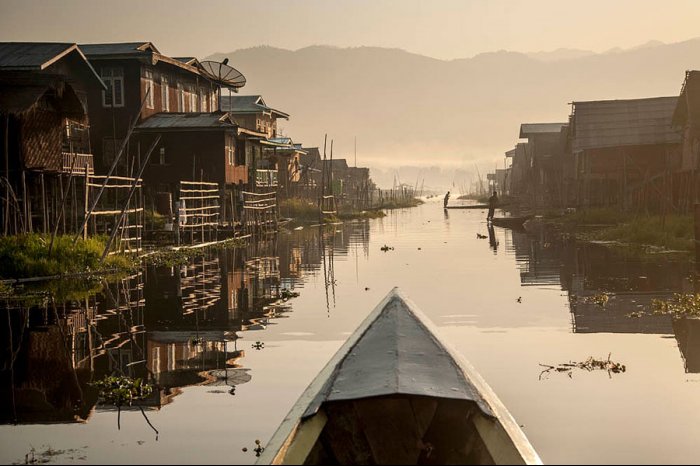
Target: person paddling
493	202
447	198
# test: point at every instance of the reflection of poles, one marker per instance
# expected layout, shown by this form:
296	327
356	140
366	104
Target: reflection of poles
325	272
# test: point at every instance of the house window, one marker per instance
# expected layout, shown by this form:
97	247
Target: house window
161	154
203	100
114	80
213	102
180	98
230	150
164	93
148	80
193	100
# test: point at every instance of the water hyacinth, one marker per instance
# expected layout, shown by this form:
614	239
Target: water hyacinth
681	305
122	391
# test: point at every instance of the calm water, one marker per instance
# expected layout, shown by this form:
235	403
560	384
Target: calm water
232	359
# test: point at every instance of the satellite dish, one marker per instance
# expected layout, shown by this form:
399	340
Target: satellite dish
223	74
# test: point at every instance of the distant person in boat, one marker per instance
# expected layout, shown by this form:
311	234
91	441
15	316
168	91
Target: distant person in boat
447	199
493	202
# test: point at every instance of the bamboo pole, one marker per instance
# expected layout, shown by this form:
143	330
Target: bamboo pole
114	165
63	201
128	199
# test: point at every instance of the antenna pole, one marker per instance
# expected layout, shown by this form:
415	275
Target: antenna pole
355	151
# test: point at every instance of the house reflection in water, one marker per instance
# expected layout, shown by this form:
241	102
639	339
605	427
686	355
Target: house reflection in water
172	326
585	271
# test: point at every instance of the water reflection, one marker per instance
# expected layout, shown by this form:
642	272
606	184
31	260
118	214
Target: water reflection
631	283
172	326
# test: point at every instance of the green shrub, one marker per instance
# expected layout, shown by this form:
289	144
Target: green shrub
24	256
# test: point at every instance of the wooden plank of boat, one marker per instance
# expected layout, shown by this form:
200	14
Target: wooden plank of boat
395	393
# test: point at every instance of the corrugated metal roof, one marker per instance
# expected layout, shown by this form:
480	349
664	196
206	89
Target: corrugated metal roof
187	60
122	48
247	104
166	121
16	56
527	129
614	123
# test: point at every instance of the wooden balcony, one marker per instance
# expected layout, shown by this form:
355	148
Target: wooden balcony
81	161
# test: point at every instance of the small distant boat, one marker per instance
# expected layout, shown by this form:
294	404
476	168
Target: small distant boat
468	206
395	393
510	222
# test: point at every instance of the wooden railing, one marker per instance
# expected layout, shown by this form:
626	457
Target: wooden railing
79	164
265	178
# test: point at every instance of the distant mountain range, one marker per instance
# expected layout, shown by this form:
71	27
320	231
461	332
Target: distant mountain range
411	109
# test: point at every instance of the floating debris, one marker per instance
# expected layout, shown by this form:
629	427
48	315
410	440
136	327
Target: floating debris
520	299
681	305
258	448
288	294
590	364
386	248
601	299
480	236
258	345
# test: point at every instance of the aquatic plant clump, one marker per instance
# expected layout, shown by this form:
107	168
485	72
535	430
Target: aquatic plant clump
591	364
681	305
122	391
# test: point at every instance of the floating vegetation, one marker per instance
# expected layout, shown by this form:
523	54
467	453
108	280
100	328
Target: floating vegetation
195	341
46	456
591	364
681	305
288	294
636	314
121	391
258	345
175	257
386	248
601	299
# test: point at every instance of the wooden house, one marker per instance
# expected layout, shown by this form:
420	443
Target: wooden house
686	120
135	72
519	169
196	147
542	174
274	159
251	111
44	132
625	152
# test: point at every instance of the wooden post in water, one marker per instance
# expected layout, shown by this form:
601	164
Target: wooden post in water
697	235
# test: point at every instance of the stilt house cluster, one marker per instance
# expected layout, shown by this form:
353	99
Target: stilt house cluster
635	154
102	137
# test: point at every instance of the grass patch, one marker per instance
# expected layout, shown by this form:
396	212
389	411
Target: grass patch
674	232
24	256
400	203
299	210
589	217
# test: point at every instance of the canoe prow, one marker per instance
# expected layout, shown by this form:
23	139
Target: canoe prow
396	393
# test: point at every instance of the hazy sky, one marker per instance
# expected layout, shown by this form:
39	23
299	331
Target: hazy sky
438	28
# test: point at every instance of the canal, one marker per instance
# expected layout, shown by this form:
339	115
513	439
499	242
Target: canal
231	347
